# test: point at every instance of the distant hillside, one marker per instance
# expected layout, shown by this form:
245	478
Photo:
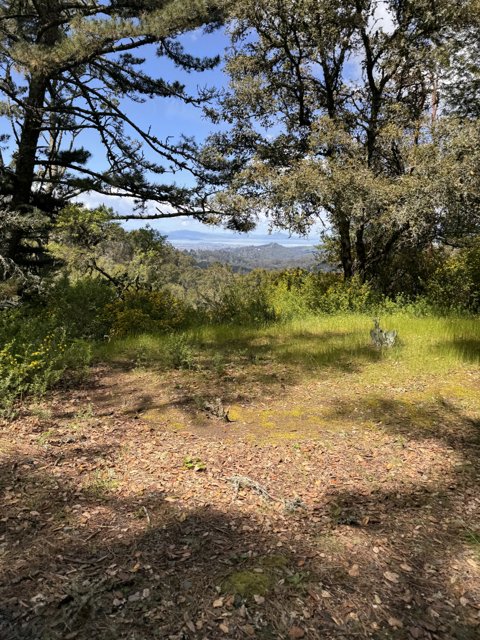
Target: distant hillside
269	256
190	239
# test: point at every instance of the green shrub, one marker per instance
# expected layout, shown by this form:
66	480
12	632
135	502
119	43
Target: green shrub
146	312
35	356
179	352
348	296
81	306
239	299
455	285
296	293
289	302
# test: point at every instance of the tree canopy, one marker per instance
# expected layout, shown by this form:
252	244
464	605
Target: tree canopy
336	114
65	69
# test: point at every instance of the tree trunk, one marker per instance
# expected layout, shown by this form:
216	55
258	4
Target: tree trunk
26	157
345	248
27	148
361	253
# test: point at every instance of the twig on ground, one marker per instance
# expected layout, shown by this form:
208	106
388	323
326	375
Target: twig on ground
242	482
147	515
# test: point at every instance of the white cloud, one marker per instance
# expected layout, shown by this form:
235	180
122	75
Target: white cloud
125	205
383	19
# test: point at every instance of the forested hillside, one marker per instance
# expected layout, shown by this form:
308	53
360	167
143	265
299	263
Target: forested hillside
268	256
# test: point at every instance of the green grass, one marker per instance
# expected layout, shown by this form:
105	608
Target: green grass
341	342
317	375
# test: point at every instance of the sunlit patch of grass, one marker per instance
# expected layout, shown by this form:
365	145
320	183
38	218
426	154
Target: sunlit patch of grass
100	484
472	538
426	345
320	373
46	436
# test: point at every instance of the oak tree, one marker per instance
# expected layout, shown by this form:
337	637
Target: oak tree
335	115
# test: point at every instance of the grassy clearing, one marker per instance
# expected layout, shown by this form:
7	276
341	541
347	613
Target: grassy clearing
126	488
307	377
426	345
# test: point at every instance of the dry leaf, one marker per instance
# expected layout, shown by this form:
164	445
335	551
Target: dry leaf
390	576
218	603
395	622
249	630
354	571
296	632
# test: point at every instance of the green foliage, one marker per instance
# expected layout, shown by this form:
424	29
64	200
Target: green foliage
35	356
369	151
179	352
90	243
194	464
298	293
81	306
222	296
146	312
455	285
348	296
77	66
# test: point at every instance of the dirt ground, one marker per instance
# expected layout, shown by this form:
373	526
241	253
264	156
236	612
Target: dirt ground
130	509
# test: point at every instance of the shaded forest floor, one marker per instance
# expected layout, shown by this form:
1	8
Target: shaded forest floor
336	501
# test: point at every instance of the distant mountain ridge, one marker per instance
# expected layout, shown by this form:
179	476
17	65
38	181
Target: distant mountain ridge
187	238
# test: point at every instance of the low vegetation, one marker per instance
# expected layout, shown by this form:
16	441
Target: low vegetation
188	317
195	451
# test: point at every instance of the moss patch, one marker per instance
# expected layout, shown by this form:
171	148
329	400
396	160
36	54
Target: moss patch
258	580
248	583
273	562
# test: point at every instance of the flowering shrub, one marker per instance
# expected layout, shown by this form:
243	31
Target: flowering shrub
35	358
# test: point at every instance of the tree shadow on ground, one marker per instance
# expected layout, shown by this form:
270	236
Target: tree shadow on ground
466	348
343	351
79	565
240	372
437	419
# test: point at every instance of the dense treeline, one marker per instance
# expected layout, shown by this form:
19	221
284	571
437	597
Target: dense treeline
269	256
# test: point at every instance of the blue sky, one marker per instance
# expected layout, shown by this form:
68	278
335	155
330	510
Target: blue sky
172	117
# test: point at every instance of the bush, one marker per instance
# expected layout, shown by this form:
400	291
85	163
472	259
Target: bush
81	306
226	297
455	285
35	356
350	296
146	312
179	352
289	302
